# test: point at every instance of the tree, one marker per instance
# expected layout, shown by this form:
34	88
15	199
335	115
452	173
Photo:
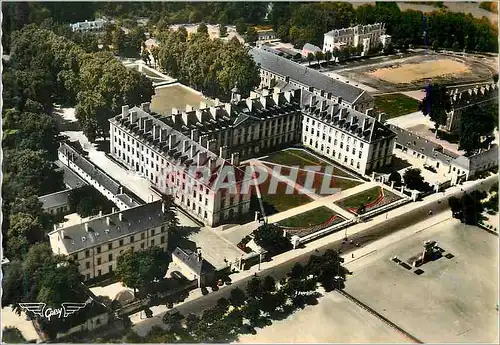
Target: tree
241	27
455	206
251	35
297	271
270	237
87	201
268	284
477	122
495	78
310	58
222	30
195	17
455	46
12	335
436	104
413	178
24	231
237	297
140	268
472	207
202	29
328	56
396	178
318	56
255	288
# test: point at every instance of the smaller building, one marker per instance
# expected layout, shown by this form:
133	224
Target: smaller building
89	26
266	35
193	266
56	203
310	48
367	35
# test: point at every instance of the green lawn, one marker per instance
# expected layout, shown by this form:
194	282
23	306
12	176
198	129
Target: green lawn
310	218
356	200
301	158
395	105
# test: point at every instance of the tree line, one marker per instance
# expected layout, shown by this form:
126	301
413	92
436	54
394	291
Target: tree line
300	23
211	66
262	301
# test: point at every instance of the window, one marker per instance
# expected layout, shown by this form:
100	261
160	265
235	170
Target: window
143	236
110	257
131	239
121	243
152	243
142	245
163	228
99	250
110	246
152	232
87	265
359	155
99	273
87	254
75	257
98	261
162	239
357	165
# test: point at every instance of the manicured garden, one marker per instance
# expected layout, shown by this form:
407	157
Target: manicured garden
313	217
367	200
395	105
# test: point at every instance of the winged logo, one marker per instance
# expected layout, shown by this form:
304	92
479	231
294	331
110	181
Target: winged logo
71	308
35	308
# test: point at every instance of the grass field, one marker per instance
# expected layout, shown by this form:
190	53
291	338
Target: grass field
310	218
395	105
356	200
175	96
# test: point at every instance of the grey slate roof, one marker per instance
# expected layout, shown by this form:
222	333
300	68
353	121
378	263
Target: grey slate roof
70	150
194	261
134	220
353	122
422	145
71	179
478	160
54	200
127	200
304	75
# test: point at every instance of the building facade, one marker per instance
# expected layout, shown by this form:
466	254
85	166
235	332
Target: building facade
275	69
89	26
208	186
357	141
367	35
464	97
96	244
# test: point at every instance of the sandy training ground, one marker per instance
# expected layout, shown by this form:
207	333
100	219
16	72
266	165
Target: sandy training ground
416	72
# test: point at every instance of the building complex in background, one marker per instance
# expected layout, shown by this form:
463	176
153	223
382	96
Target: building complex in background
89	26
368	36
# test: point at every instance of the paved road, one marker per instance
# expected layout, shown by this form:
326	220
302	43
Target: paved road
418	213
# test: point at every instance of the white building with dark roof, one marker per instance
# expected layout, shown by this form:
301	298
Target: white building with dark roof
355	140
367	35
193	266
274	68
96	244
89	26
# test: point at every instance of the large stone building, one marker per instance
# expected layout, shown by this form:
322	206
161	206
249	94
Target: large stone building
96	244
355	140
366	35
462	97
89	26
274	69
209	187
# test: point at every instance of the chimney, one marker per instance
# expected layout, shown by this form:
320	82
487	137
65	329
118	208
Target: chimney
163	207
163	135
235	158
211	165
223	152
363	124
227	107
86	227
211	145
198	253
276	97
193	151
133	116
194	134
146	106
100	213
249	102
148	124
381	117
124	111
141	122
62	234
185	117
113	209
171	141
263	101
213	112
343	113
322	105
156	132
120	217
108	221
185	145
199	115
202	157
